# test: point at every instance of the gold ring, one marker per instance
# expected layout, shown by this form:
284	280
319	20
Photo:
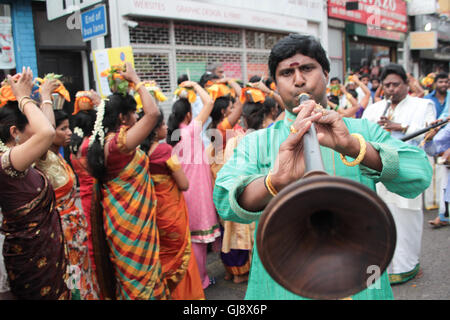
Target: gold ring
293	130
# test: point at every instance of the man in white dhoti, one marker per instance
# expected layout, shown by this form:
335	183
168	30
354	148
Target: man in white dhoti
405	115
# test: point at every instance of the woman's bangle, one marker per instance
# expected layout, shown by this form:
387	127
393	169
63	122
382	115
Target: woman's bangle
23	101
139	85
362	151
271	93
47	101
269	185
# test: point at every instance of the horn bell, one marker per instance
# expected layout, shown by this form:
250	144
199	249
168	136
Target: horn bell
321	237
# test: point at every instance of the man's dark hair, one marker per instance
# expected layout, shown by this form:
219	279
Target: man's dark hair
365	75
335	78
393	68
297	43
441	75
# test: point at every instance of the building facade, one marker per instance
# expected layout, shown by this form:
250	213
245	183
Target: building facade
367	36
17	40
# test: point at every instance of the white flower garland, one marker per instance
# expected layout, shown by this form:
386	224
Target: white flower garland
78	131
98	126
3	147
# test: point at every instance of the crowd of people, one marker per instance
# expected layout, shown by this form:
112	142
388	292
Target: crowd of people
157	196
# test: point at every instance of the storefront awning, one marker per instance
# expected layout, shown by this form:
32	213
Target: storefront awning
383	34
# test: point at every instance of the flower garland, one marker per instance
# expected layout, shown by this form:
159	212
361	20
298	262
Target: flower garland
78	131
98	126
3	147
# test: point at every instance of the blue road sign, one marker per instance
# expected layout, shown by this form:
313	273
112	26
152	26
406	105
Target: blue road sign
93	23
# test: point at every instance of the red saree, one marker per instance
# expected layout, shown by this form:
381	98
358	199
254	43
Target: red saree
178	263
86	182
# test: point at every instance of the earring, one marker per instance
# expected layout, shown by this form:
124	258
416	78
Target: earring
17	139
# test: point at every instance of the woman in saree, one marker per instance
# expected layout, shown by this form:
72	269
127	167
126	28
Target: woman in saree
62	178
82	124
125	234
177	259
34	241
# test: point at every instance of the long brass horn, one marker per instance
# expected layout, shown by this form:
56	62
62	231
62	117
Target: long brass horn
325	237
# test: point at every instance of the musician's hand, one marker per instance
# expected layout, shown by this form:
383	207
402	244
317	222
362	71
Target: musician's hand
289	164
390	125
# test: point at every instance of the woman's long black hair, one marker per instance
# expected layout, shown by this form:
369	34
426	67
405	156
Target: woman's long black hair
180	109
10	115
217	115
116	104
146	144
254	113
84	120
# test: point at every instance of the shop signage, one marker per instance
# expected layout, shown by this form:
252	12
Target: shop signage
423	40
416	7
375	14
311	10
7	60
363	31
60	8
444	7
212	13
93	23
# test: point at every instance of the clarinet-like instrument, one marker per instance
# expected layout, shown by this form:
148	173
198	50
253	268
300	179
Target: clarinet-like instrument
419	132
388	105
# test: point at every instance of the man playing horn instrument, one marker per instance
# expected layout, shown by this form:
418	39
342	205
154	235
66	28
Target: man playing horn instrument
268	160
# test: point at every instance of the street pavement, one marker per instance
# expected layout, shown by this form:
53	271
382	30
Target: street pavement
434	284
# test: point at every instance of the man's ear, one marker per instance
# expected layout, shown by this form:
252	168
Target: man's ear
327	75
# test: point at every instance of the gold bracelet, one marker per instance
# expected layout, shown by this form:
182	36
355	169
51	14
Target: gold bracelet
47	101
362	151
269	185
23	101
271	93
139	85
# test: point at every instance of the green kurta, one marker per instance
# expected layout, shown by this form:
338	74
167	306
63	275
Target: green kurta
406	171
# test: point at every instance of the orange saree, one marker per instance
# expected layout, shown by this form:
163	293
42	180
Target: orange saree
83	283
178	263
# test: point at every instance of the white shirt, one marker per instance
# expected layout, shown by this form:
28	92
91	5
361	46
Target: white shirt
361	96
416	113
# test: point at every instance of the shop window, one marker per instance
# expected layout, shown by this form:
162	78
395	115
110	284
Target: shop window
196	61
192	34
365	56
262	40
154	66
7	60
150	32
257	65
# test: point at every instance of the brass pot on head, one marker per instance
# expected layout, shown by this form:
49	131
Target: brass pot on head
58	101
324	237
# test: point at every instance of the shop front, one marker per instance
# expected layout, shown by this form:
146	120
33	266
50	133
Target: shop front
170	38
370	50
374	33
17	42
